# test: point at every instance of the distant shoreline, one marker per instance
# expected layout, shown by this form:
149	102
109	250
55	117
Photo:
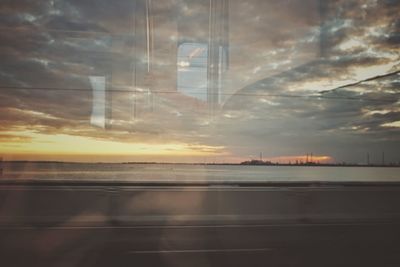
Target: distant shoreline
256	163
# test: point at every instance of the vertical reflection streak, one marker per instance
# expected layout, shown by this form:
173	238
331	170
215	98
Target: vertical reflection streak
98	84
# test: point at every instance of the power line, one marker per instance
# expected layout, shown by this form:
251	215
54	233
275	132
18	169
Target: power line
313	96
362	81
52	30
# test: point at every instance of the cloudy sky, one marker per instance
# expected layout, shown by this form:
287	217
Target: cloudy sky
299	76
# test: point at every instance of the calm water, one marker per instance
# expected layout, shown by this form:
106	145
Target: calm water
172	172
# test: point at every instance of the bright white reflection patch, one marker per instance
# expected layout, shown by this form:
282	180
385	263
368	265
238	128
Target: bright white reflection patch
98	117
192	70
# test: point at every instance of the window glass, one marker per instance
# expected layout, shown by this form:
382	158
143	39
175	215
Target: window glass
238	90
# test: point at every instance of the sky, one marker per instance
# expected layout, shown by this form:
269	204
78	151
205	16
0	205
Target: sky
299	77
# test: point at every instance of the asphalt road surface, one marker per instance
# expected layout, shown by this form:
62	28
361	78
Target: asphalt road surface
172	225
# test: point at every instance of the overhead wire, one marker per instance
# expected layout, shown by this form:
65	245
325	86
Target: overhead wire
138	91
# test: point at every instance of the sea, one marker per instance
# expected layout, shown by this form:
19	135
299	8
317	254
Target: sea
133	172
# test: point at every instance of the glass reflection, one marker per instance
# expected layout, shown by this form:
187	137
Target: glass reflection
201	81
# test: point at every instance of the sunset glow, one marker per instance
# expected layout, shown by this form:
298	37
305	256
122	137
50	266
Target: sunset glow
30	143
302	159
